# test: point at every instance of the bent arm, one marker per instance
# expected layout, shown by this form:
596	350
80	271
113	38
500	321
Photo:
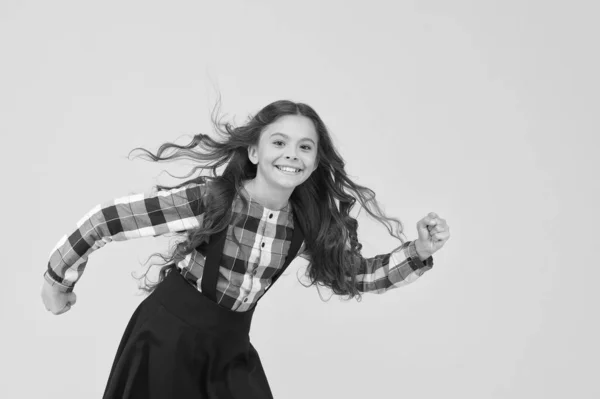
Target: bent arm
388	271
385	272
135	216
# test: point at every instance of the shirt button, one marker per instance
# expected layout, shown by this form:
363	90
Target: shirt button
245	299
254	272
263	244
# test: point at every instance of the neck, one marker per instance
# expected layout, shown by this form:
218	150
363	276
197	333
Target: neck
268	196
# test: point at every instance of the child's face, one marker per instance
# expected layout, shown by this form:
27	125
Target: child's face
289	141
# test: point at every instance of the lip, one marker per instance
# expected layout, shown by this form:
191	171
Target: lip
289	173
288	166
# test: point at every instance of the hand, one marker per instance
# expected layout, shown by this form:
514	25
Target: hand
56	301
433	233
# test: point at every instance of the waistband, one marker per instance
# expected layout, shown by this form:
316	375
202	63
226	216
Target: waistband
188	304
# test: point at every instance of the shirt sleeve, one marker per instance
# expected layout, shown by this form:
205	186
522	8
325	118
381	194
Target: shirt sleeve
387	271
134	216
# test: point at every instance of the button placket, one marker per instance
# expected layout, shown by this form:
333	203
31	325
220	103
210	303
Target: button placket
262	245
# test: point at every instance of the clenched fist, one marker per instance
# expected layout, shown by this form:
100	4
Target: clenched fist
433	233
56	301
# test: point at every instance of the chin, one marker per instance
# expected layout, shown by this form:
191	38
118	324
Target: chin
288	184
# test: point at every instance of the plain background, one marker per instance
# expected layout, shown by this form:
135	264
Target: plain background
485	112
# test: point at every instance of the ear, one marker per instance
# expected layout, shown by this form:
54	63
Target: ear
253	154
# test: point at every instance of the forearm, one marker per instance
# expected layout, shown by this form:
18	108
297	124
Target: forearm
384	272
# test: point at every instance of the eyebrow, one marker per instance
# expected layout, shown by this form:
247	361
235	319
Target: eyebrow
287	137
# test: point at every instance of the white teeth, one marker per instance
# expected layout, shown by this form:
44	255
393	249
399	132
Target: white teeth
286	169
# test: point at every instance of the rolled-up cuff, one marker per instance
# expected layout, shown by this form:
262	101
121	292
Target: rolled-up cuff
54	280
413	258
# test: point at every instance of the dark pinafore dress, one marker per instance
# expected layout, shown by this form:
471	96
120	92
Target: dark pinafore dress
181	344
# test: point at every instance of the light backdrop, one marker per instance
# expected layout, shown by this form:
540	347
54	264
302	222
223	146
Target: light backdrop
485	112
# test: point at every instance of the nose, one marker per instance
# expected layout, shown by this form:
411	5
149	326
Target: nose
290	153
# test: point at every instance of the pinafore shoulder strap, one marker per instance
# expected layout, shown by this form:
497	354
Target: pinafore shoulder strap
214	251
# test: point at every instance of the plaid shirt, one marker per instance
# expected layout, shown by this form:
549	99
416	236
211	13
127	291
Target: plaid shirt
264	234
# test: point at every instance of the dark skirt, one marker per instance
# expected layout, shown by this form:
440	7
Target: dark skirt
180	344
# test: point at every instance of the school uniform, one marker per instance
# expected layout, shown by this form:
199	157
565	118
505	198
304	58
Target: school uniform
189	338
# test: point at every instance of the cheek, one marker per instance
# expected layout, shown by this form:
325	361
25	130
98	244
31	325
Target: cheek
313	161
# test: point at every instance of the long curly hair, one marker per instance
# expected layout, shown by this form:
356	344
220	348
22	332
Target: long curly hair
324	200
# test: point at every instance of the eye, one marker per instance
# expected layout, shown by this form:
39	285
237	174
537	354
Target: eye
281	142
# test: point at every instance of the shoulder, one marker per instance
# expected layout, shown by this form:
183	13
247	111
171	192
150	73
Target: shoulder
200	188
189	192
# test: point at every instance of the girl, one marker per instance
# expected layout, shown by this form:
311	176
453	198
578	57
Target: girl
283	193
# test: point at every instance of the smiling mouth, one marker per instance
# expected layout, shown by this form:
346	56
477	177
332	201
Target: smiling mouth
289	170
